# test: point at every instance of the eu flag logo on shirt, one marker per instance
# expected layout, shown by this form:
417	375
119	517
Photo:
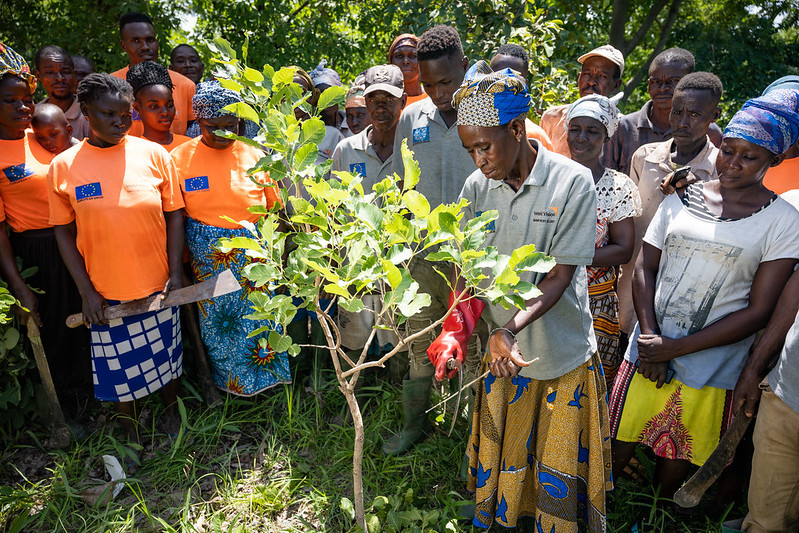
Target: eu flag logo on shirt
17	172
421	135
135	115
90	190
358	168
197	183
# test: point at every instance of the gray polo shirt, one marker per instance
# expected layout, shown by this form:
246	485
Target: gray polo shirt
444	162
555	209
636	130
357	155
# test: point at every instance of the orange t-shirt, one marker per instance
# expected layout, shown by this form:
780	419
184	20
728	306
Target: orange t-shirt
117	197
534	131
23	183
412	99
182	92
215	182
177	140
784	177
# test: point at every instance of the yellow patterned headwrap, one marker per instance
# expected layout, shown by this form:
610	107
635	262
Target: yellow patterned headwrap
489	98
13	63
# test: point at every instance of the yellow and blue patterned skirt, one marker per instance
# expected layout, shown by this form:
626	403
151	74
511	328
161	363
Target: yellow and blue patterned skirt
541	449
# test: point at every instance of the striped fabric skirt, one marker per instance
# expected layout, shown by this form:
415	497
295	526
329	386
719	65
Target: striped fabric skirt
605	311
135	356
240	364
676	421
541	449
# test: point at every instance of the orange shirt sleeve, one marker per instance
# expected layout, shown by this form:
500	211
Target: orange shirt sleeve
61	211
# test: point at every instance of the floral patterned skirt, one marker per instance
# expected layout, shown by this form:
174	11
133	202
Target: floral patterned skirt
240	364
676	421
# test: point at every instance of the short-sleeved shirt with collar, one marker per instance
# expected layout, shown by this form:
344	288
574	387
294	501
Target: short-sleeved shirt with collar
554	209
444	162
636	130
357	155
80	126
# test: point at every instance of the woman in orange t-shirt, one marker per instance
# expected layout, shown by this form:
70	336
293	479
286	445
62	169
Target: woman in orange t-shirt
24	208
118	220
215	182
402	53
152	100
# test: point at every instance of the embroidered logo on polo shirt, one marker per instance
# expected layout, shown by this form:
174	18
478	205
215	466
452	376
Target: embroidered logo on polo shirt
197	183
14	173
88	191
421	135
135	115
358	168
491	227
549	216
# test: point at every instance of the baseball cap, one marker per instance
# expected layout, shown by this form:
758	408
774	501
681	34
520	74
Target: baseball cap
608	52
384	78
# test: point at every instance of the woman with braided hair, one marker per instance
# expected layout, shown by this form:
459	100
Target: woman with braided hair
118	217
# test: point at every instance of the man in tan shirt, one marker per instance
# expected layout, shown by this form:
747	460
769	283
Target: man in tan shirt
695	107
601	74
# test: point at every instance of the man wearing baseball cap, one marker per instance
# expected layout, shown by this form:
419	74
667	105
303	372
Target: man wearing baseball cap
369	153
601	74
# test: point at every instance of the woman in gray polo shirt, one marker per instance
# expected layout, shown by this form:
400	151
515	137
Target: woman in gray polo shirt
539	444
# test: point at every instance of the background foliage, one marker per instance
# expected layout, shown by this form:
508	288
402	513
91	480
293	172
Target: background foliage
748	44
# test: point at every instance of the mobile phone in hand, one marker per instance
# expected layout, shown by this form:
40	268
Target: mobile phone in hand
679	174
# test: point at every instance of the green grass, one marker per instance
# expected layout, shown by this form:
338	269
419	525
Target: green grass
277	462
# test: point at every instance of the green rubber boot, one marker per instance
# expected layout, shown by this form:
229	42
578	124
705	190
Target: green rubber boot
415	398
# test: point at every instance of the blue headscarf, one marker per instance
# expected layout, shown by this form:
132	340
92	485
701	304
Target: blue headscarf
211	98
770	121
786	82
487	98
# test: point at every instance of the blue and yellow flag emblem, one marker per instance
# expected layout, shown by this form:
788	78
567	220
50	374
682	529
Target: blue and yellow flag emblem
90	190
197	183
18	172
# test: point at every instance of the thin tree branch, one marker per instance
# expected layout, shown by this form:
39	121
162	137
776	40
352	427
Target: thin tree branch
646	25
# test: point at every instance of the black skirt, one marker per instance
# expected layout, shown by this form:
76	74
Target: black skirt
67	349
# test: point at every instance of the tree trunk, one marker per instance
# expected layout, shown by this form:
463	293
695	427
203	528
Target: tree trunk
357	453
674	10
618	22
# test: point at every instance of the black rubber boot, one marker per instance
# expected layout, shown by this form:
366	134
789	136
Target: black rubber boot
415	399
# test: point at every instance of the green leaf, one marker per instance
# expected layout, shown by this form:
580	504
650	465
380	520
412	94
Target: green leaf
284	76
230	84
334	288
353	306
224	48
416	203
313	130
306	155
411	177
330	96
370	214
348	508
253	75
393	274
242	110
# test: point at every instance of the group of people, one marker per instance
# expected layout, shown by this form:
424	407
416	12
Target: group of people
674	244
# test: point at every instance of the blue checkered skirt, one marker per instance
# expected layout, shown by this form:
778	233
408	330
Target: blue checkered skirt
135	356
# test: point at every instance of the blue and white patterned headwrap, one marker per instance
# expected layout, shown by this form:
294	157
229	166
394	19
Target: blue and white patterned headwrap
770	121
786	82
595	106
489	98
211	98
322	75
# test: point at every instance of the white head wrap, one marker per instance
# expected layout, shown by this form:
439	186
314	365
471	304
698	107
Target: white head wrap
597	107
